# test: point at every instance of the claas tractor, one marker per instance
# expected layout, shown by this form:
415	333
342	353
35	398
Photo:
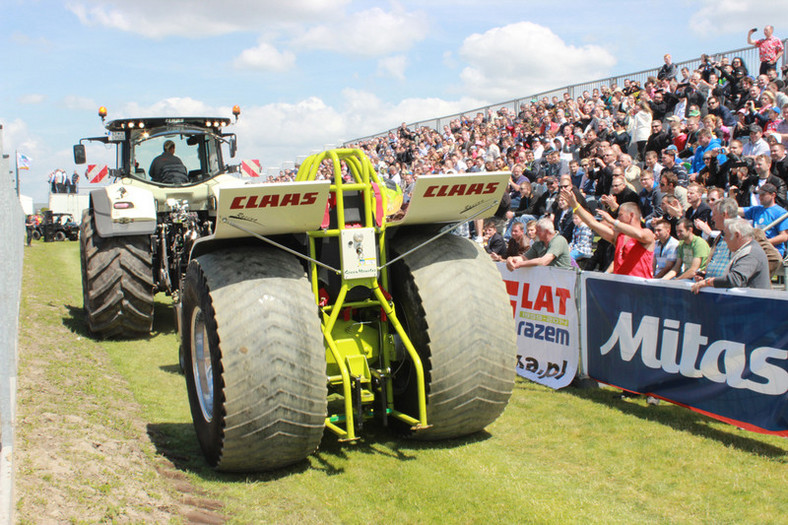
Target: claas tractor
305	306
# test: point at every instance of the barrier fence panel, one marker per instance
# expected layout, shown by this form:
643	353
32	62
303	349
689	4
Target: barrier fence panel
722	353
543	302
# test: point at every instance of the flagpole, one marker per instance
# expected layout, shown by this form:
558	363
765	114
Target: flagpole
16	154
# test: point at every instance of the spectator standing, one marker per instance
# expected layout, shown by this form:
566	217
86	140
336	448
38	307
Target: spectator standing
29	225
770	48
749	267
640	126
634	245
668	70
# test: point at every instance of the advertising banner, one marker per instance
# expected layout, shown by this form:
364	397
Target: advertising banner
545	314
721	353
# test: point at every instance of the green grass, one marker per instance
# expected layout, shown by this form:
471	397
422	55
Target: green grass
577	456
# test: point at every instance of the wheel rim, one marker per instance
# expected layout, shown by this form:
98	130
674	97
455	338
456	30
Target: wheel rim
202	368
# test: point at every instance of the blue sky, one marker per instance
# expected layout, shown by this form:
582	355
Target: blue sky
310	73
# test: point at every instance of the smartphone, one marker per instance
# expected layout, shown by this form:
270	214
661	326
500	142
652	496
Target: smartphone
754	29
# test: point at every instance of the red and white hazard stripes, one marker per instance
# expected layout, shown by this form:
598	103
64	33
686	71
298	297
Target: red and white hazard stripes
96	172
251	168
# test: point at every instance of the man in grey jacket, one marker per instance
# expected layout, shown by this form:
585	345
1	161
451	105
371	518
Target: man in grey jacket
749	267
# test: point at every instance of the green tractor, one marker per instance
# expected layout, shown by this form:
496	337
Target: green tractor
310	308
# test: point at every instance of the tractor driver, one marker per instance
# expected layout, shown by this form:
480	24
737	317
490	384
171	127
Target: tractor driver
167	167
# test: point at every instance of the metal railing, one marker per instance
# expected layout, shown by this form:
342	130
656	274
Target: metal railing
748	54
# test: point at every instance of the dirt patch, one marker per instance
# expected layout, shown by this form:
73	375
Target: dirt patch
82	451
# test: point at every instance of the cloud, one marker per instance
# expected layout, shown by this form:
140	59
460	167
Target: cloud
265	57
155	19
32	98
369	33
79	103
393	66
717	17
525	58
169	107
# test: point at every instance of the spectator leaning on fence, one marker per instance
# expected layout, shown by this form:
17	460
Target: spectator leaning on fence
693	253
549	249
748	268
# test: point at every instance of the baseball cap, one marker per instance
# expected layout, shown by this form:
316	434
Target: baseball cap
768	188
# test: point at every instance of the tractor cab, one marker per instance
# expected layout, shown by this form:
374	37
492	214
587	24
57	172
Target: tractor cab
200	144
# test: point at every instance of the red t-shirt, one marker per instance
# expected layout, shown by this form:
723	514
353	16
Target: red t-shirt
632	259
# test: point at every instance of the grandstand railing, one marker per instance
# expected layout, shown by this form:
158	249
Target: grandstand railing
748	54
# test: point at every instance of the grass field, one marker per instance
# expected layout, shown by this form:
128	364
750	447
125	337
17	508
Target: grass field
576	456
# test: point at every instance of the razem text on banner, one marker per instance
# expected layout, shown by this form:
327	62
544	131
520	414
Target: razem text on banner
546	319
721	353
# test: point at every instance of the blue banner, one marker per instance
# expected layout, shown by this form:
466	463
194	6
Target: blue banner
722	353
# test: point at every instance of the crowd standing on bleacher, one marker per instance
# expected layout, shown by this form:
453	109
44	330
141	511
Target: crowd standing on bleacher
675	148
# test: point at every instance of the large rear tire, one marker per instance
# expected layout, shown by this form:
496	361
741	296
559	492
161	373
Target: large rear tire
457	314
255	361
117	282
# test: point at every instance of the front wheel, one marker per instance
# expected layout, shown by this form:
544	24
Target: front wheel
117	282
254	359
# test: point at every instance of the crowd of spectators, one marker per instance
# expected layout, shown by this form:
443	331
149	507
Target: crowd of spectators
62	182
671	147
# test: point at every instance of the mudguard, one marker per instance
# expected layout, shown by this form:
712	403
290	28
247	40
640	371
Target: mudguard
121	209
453	198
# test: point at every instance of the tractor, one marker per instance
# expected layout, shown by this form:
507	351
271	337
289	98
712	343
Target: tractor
321	304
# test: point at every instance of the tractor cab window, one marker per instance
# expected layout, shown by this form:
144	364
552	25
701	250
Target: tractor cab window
187	148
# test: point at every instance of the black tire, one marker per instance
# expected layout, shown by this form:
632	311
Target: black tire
255	362
117	282
36	235
60	236
457	314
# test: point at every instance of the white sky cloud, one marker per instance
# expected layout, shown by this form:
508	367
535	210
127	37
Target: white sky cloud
393	66
738	16
32	98
265	57
518	59
79	103
369	33
156	19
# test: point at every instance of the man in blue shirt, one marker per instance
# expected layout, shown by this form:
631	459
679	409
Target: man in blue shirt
706	142
768	212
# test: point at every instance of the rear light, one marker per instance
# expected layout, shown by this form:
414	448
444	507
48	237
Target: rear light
123	205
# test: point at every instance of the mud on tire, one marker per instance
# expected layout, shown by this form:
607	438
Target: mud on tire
117	282
456	310
254	359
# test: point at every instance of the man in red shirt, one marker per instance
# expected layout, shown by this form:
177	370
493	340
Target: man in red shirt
770	48
634	245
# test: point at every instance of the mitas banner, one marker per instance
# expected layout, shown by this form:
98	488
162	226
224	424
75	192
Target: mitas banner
545	314
721	353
